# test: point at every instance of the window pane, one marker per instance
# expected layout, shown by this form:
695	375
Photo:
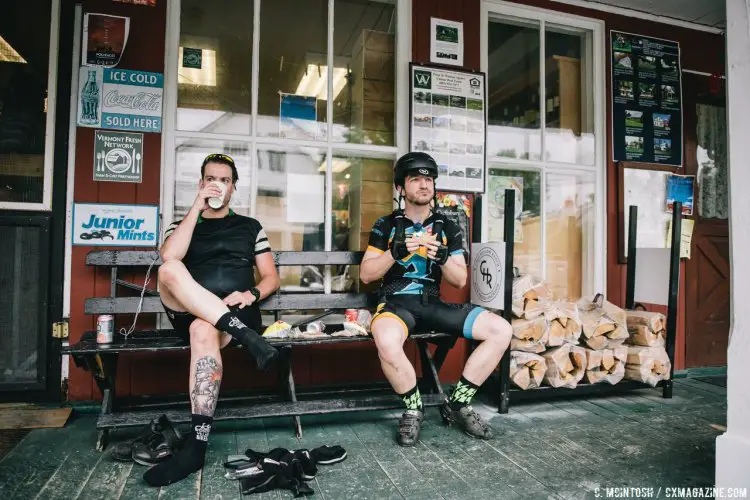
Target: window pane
24	62
363	71
570	212
513	90
290	206
362	193
214	67
293	88
189	155
569	103
527	250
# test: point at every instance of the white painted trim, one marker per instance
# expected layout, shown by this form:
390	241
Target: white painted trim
49	143
328	195
641	15
254	91
543	142
169	118
70	182
403	57
701	73
491	8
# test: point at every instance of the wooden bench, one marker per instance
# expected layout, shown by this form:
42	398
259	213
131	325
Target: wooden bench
101	360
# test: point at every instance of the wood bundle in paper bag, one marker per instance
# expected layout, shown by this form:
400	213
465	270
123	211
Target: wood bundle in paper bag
526	369
607	365
527	294
529	335
646	328
565	366
603	323
647	364
563	322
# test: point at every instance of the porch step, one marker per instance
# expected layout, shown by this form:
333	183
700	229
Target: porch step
282	409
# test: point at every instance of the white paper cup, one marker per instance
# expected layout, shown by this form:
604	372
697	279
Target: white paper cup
217	202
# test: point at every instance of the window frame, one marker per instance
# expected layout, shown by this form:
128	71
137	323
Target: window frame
49	127
499	9
170	134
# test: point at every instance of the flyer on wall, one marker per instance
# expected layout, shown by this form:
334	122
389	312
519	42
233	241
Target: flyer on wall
680	189
446	42
646	100
448	122
104	39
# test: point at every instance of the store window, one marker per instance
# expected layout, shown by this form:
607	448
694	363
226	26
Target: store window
315	133
26	112
542	143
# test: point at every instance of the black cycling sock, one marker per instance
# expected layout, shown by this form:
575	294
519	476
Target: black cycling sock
262	351
412	399
187	460
463	393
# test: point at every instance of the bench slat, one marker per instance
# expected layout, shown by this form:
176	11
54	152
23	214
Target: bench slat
125	258
137	418
287	301
167	340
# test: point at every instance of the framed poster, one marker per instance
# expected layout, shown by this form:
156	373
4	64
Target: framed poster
646	99
447	121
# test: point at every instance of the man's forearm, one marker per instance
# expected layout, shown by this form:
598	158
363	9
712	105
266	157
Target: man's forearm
454	273
266	286
375	268
176	246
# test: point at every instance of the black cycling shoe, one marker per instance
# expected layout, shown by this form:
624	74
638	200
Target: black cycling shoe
409	426
123	452
159	447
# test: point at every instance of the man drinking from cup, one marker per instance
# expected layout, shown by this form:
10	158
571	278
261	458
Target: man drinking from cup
208	289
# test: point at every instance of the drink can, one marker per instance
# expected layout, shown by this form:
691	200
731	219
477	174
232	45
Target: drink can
316	327
351	315
105	328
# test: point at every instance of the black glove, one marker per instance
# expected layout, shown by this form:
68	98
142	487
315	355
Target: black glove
398	249
441	256
398	245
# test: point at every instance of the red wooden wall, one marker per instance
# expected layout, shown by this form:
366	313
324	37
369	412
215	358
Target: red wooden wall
145	52
163	374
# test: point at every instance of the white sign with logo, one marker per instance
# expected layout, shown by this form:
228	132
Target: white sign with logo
120	99
446	42
118	156
488	275
448	123
103	224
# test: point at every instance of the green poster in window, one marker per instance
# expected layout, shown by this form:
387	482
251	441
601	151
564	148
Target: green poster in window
192	58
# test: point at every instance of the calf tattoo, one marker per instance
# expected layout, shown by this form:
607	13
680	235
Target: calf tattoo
205	393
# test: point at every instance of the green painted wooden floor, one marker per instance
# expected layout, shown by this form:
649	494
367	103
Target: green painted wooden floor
557	449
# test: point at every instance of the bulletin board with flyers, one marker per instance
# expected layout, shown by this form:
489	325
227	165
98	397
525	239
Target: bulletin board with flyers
447	121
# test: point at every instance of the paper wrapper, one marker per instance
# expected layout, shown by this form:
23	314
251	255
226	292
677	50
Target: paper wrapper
603	323
565	366
529	335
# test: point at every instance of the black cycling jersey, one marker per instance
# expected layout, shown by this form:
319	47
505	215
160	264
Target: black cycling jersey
221	255
416	272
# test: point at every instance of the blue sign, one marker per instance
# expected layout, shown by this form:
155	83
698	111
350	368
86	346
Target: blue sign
104	224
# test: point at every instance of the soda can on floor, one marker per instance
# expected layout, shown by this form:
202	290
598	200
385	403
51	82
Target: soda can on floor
351	315
316	327
105	329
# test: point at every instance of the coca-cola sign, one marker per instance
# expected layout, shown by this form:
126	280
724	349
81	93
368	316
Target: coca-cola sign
120	99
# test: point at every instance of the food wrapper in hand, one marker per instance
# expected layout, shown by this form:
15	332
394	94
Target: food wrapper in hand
278	330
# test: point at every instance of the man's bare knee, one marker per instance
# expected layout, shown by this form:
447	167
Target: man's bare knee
203	336
389	342
170	271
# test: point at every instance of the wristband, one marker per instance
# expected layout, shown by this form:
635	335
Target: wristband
441	256
256	293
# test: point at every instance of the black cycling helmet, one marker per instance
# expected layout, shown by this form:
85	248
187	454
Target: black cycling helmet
415	163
